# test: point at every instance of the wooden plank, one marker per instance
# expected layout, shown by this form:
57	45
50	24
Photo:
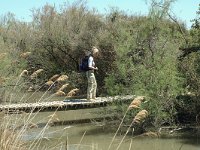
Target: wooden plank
65	105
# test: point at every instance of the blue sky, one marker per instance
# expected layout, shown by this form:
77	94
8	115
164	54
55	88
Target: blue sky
184	10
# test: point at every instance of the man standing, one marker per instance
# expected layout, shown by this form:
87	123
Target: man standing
92	84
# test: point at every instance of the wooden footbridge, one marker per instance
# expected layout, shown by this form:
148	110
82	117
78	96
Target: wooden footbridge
68	104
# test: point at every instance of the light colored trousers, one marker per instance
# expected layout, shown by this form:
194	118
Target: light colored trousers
92	84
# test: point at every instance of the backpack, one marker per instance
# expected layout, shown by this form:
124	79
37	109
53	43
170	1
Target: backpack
83	66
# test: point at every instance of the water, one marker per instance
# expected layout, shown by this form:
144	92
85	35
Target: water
93	136
96	136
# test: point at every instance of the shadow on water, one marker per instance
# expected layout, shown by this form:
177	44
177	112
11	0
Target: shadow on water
94	135
191	137
188	138
191	141
101	136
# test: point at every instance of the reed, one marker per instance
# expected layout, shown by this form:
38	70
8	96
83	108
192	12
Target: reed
139	118
13	127
9	138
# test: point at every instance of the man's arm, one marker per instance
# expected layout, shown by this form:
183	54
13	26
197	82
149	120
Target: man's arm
90	64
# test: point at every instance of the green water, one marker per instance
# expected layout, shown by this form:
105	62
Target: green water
93	136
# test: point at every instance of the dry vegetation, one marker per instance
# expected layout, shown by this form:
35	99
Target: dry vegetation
138	56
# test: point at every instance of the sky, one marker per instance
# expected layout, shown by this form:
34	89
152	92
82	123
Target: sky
184	10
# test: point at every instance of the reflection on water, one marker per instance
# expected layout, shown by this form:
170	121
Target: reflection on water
98	137
92	137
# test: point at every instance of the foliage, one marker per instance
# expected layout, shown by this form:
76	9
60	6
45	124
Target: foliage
188	104
146	61
189	66
138	54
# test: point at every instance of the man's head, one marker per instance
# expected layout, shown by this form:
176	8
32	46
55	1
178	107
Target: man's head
95	51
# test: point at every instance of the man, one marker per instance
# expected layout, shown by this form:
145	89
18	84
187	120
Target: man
92	84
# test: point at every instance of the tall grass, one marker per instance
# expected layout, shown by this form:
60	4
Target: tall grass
14	126
9	138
